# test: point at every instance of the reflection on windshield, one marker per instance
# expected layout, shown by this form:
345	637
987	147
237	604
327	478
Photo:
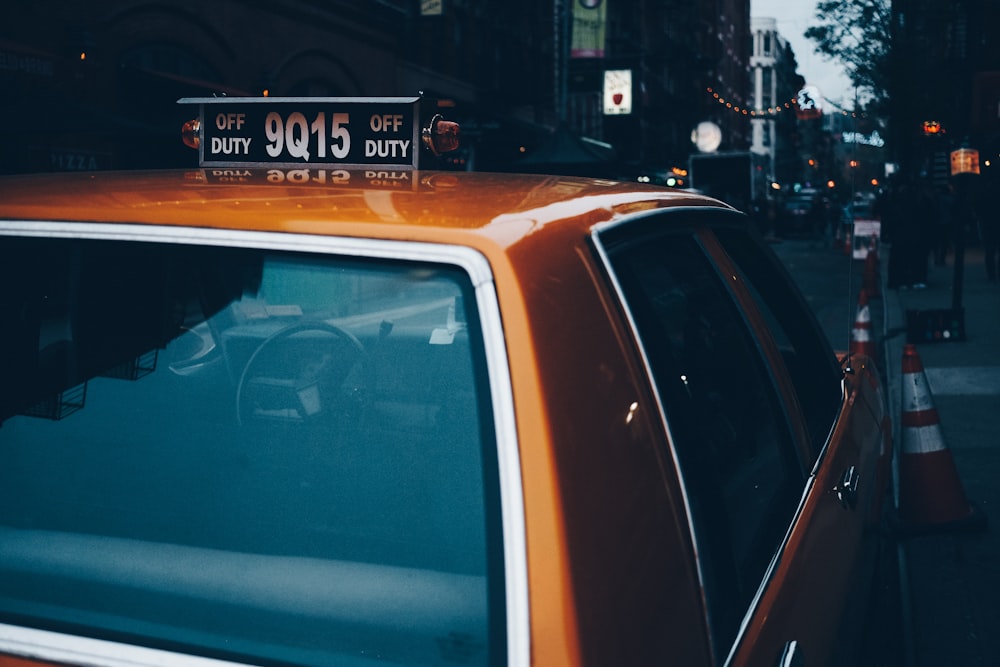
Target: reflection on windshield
202	443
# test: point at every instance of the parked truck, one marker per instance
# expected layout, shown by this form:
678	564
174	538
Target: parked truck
727	176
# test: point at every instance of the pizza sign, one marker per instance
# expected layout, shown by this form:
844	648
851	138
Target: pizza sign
618	92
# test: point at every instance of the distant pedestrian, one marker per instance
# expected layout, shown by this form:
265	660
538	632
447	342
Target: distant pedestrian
941	242
911	218
763	214
988	220
925	218
989	231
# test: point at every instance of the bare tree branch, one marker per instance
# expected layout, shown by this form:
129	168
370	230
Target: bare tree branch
855	34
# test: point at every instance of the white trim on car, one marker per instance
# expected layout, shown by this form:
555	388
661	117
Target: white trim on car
76	650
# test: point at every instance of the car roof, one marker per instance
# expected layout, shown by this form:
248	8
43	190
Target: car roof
434	206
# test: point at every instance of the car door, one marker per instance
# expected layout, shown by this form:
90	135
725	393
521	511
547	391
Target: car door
734	446
746	432
819	585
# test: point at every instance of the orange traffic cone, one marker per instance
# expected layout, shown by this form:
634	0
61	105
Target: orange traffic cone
930	493
871	274
861	335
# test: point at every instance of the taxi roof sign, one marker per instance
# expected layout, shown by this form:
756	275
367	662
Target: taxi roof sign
356	132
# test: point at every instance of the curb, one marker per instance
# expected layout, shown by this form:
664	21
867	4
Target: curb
893	333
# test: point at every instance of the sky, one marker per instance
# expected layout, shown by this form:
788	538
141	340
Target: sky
793	17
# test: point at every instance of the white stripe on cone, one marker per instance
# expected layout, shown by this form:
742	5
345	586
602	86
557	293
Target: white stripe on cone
917	398
923	439
916	393
861	337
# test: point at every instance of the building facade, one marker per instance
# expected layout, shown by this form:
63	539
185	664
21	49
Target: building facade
94	85
775	82
945	71
726	46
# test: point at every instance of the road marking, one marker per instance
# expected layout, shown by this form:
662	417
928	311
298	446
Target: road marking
964	380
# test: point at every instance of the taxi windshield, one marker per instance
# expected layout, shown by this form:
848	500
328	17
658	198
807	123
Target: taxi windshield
256	455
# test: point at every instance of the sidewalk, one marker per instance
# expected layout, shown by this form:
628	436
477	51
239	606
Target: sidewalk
951	580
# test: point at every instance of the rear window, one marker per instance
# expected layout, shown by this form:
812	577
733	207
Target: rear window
252	455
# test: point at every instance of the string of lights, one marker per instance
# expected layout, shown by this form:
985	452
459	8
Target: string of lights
845	112
790	105
770	111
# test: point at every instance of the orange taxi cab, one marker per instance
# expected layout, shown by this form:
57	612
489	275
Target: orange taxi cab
346	411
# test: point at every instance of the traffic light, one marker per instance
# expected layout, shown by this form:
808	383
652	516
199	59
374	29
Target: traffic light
932	128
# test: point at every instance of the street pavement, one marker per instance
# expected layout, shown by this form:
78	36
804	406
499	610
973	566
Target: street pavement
948	611
950	575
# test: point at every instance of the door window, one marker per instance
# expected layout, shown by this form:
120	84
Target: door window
726	425
808	357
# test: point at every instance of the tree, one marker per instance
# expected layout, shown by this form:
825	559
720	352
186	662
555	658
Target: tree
856	33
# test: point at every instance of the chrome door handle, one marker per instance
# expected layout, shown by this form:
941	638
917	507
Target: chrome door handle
847	489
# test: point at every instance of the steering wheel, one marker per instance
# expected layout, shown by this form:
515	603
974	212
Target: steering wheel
303	372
